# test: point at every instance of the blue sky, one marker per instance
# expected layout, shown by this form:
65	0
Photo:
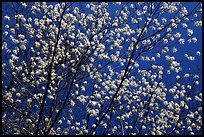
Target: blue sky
187	48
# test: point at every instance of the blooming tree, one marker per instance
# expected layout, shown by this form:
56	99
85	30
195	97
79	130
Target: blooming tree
101	68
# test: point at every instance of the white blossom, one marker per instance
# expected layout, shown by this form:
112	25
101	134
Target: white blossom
6	17
87	65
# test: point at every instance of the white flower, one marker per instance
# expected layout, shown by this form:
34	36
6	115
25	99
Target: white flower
68	122
174	63
63	65
24	4
29	19
77	85
154	66
189	32
178	77
72	103
93	112
28	120
194	39
12	30
184	25
177	35
198	53
197	98
118	3
40	94
165	40
60	121
73	127
94	125
91	59
114	58
83	88
21	36
23	47
88	6
98	96
46	119
50	97
191	115
198	23
18	94
158	55
172	8
6	26
191	58
105	125
29	100
181	41
143	127
6	17
169	30
163	20
94	103
73	70
174	50
153	59
189	86
6	33
131	5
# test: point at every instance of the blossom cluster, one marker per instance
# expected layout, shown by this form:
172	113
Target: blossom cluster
101	68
